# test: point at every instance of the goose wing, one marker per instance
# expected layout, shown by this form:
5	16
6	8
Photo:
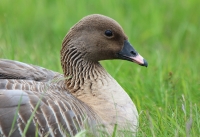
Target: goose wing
56	114
30	97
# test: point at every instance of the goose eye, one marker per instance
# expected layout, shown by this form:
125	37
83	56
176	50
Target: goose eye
108	33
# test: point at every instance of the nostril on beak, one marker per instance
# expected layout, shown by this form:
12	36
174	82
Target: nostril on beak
134	53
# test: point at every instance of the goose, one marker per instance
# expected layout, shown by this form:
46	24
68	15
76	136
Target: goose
37	101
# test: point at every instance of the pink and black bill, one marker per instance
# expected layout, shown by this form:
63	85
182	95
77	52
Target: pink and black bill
130	54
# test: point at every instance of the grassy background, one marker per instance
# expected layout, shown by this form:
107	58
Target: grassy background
165	33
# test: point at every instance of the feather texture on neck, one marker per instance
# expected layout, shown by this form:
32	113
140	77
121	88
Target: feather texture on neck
78	70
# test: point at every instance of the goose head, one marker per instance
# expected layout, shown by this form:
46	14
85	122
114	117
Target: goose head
97	37
92	39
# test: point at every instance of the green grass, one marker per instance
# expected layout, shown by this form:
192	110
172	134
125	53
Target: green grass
165	33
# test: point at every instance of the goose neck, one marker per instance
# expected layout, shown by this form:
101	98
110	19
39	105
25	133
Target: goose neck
79	72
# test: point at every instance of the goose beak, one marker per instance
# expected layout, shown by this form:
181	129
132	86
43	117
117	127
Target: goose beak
130	54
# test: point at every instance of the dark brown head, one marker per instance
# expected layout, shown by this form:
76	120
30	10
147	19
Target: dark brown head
98	37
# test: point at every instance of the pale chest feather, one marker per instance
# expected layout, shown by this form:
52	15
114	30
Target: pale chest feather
108	99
